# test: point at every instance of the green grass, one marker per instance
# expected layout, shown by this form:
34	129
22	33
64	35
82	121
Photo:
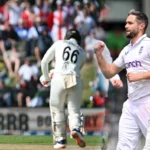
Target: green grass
45	140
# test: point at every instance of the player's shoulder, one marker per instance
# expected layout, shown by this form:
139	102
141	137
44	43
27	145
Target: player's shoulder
81	49
127	46
58	42
146	43
125	50
146	40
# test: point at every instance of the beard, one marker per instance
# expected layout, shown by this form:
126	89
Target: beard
132	34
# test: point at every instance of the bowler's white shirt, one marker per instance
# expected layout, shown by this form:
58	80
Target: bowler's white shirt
69	58
136	58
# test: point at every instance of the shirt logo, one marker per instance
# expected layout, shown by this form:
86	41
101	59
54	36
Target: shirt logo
65	65
126	52
133	64
141	50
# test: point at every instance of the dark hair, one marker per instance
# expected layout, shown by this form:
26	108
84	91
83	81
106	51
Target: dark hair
140	16
73	33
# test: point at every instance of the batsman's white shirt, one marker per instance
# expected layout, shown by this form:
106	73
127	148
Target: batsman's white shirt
136	58
69	58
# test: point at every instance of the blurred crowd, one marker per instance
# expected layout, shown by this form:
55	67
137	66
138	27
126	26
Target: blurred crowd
29	27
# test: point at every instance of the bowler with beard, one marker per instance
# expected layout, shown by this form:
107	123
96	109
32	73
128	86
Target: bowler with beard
135	58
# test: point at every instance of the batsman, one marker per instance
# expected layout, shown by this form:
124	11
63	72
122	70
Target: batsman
66	85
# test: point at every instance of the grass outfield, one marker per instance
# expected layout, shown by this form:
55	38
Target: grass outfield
45	140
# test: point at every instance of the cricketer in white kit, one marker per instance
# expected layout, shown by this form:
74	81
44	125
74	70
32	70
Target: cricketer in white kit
66	85
135	57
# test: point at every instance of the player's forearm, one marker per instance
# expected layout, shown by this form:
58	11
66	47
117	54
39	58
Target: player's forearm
132	77
49	55
145	76
44	68
105	67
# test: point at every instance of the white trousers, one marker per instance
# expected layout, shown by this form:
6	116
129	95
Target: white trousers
133	122
147	143
58	97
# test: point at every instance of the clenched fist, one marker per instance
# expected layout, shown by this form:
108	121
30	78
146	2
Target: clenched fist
117	83
99	47
133	77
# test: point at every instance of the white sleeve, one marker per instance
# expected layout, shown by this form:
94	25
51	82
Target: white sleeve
120	63
115	77
106	54
120	60
49	55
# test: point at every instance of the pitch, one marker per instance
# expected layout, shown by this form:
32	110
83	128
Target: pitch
11	142
41	147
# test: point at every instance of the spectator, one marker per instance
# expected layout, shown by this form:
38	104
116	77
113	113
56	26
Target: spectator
98	99
36	101
37	8
12	60
27	71
14	12
26	75
89	41
43	43
21	31
46	11
22	91
100	33
78	9
79	15
6	98
70	10
50	18
104	12
3	71
7	37
94	10
84	24
27	15
33	35
4	12
59	22
86	5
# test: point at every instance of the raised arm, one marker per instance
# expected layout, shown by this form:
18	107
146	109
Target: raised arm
109	70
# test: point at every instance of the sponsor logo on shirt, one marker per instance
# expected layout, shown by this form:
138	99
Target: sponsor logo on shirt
126	52
133	64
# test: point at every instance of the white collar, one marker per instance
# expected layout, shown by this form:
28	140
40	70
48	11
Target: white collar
141	38
73	40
